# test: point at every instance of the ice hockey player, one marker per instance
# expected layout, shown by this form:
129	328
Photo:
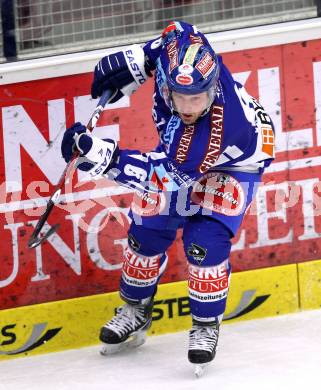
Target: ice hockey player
215	141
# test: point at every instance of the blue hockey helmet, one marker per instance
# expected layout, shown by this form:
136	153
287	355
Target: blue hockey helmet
187	63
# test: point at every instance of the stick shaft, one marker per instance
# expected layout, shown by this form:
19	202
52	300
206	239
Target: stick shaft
54	198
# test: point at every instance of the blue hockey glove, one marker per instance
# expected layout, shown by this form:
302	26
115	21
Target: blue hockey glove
96	155
122	72
68	141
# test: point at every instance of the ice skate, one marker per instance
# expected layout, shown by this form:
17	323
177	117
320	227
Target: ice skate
127	329
203	340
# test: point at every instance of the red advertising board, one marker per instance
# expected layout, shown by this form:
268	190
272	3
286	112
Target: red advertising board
84	256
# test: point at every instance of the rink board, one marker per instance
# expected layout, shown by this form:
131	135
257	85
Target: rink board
75	323
310	284
75	262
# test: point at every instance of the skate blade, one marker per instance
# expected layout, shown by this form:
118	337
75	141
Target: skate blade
199	369
132	342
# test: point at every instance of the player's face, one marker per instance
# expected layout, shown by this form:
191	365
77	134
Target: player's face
190	107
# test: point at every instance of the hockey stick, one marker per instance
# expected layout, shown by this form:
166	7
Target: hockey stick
35	238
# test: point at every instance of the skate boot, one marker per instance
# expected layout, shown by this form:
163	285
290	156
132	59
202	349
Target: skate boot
203	338
127	329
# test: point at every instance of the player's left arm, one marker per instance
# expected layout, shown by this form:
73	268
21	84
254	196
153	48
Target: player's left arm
131	168
95	155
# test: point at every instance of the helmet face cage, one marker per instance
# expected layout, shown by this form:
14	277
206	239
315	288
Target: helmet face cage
211	92
188	66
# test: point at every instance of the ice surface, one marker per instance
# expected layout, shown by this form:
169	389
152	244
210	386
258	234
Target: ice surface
274	353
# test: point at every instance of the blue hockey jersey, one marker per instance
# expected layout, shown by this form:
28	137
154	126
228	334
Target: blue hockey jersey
235	134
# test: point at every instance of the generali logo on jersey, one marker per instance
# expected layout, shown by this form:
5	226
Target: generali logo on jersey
215	140
185	143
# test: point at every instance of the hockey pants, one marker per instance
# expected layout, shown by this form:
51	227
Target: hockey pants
207	246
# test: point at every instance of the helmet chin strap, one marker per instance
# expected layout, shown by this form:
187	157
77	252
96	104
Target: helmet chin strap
206	110
215	89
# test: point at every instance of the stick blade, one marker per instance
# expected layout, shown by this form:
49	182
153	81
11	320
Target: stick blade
34	241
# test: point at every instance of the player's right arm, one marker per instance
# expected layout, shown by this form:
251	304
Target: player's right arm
121	72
